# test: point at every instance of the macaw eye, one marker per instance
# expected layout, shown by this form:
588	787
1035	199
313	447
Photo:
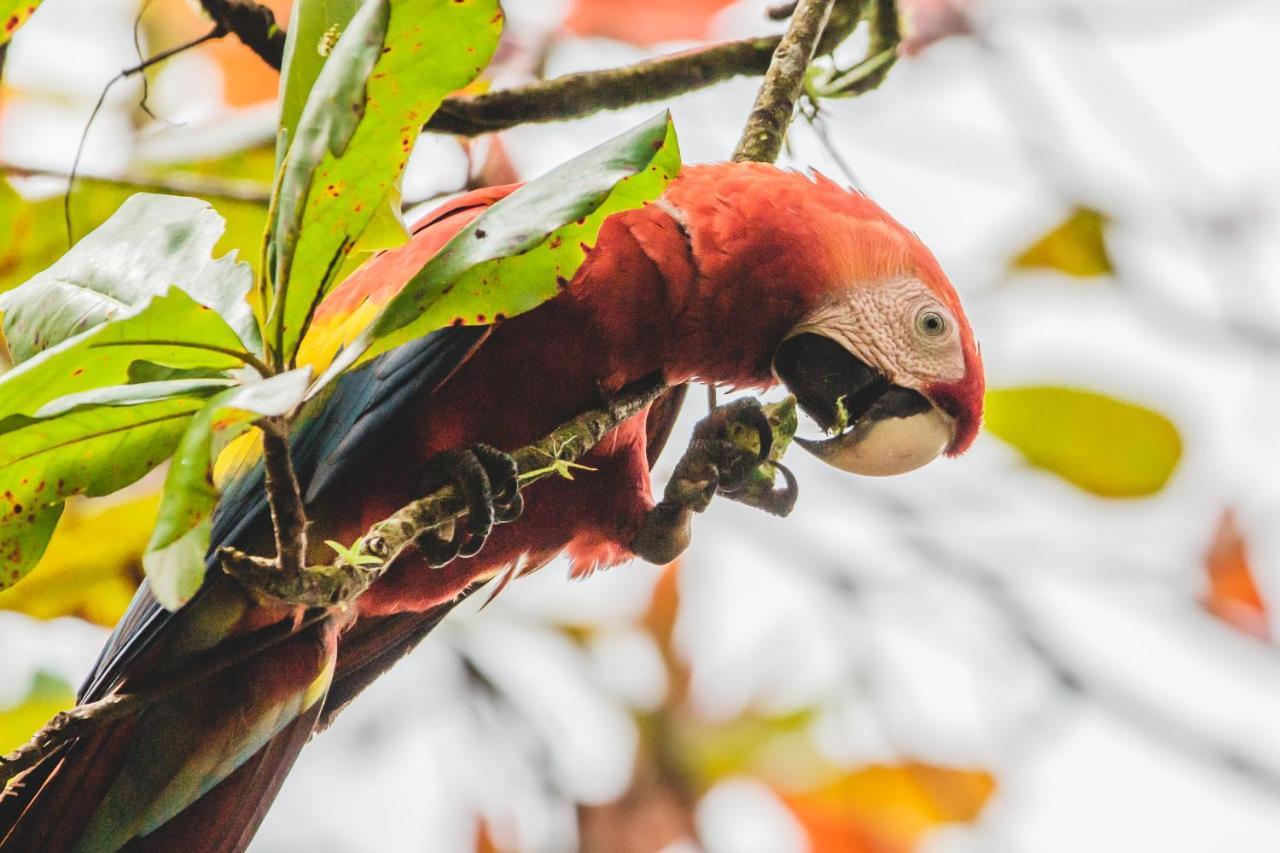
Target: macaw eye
931	324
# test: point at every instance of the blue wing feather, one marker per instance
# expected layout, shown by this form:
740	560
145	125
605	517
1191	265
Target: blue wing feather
336	439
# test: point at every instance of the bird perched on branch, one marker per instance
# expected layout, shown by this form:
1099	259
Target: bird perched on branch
740	274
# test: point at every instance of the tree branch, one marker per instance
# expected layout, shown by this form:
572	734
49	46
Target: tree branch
776	102
350	575
253	24
572	95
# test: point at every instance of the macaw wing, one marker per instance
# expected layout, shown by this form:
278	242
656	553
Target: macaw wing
337	434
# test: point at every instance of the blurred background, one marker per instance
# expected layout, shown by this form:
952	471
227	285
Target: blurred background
1060	642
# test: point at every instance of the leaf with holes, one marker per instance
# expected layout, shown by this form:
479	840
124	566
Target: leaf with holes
93	564
15	13
88	451
392	66
518	253
1105	446
152	243
174	561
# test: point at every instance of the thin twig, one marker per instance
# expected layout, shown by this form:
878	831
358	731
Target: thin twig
216	32
783	82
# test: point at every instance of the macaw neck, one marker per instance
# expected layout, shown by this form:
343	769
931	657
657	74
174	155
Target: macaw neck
662	299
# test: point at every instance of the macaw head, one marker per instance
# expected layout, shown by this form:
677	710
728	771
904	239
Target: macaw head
883	357
843	304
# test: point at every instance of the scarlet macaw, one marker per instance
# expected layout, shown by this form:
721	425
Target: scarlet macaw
740	274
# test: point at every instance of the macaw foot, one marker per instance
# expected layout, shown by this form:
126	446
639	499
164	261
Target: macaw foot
729	456
486	478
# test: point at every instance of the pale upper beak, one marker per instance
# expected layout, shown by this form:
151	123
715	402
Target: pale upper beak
881	428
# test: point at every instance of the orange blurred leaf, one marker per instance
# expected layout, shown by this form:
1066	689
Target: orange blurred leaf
1233	595
927	21
246	79
644	22
1076	247
889	808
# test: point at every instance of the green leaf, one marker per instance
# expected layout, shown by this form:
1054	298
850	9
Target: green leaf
15	13
1076	247
47	696
395	62
105	355
174	561
515	255
130	395
151	243
92	451
1105	446
306	47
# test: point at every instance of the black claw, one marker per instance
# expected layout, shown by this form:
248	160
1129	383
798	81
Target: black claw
487	480
509	511
782	501
502	471
437	550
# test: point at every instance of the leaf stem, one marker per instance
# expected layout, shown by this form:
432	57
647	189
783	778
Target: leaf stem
246	357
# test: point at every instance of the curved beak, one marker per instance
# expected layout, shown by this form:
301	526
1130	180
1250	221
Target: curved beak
877	428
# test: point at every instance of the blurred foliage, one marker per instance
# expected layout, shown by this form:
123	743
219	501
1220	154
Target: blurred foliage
94	562
875	808
888	808
1076	247
644	22
33	232
1105	446
47	696
1232	594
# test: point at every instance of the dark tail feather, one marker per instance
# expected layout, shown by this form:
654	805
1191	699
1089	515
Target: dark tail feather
101	792
227	817
78	794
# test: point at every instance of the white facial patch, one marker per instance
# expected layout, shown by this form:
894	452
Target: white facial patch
899	327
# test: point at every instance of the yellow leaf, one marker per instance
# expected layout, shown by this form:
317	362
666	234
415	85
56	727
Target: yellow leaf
93	564
888	808
1105	446
48	695
1076	247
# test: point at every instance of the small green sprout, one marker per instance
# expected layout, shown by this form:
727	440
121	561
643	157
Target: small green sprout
351	556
